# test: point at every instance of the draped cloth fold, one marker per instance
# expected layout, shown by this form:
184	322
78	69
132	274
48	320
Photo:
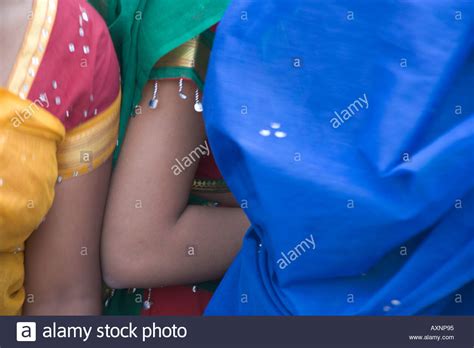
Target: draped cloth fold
29	138
144	31
348	130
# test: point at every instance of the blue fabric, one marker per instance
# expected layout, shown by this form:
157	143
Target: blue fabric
350	123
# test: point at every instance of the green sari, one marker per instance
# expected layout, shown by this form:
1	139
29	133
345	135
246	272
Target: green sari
144	31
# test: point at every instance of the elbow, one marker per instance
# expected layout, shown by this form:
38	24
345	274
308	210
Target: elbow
123	267
116	281
118	270
128	259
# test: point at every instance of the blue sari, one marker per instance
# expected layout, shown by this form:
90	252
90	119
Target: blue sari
346	130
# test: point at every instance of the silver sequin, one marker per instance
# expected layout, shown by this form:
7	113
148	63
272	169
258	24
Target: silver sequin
280	134
57	100
198	107
147	305
85	16
86	49
71	47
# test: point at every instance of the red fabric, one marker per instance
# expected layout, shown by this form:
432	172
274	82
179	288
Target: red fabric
177	300
207	168
78	75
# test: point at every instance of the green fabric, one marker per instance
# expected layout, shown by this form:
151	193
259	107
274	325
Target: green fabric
206	38
143	31
124	302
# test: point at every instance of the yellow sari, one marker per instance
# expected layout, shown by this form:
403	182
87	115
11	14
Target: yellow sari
28	173
58	120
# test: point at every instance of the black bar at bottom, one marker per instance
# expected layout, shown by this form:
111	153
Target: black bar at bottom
325	332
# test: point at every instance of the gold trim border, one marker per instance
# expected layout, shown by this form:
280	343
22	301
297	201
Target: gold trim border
90	144
192	54
209	185
33	47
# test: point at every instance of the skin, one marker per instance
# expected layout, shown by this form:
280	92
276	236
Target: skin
63	256
149	226
13	24
62	261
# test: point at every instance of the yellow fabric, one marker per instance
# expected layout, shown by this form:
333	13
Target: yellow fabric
192	54
33	48
28	172
90	144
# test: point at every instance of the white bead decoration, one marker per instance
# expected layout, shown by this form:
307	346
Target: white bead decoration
280	134
85	17
274	125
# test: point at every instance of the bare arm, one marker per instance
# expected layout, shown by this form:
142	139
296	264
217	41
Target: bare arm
150	231
62	257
